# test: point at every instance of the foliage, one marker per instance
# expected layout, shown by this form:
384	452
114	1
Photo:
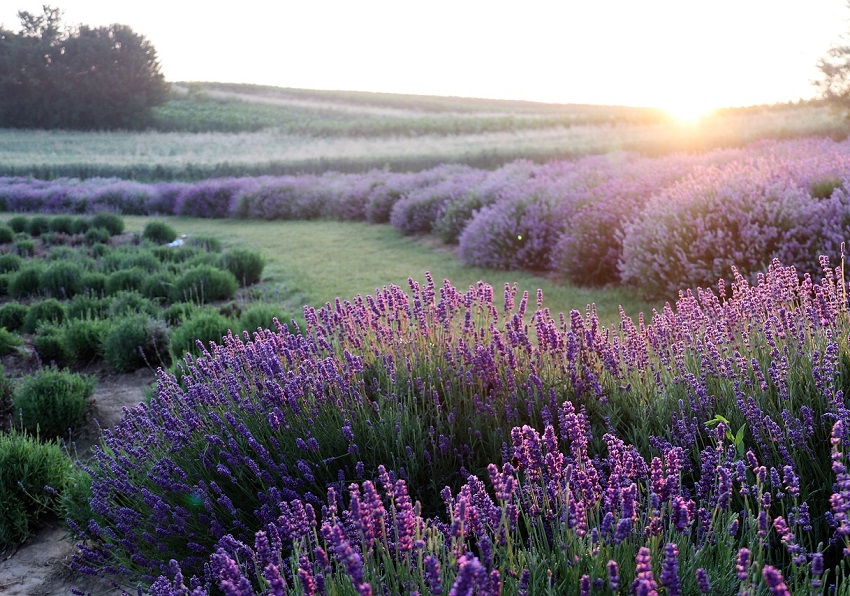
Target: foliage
159	232
28	469
10	262
12	315
136	341
49	310
49	345
9	342
96	235
111	222
61	279
51	401
261	316
202	326
158	287
246	265
125	279
102	77
38	225
6	234
62	223
25	247
18	223
204	284
82	338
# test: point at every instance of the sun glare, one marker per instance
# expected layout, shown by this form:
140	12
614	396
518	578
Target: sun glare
688	113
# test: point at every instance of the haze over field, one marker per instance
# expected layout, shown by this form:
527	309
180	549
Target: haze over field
684	57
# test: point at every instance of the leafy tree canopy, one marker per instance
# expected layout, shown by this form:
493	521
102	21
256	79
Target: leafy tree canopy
80	78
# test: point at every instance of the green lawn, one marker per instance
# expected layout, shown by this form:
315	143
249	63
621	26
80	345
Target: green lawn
314	262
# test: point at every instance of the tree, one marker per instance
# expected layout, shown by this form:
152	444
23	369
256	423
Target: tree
82	78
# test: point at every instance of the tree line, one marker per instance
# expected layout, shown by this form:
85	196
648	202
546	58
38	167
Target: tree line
77	78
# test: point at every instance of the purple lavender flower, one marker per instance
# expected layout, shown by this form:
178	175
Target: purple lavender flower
743	564
775	582
702	581
467	576
613	576
670	570
432	575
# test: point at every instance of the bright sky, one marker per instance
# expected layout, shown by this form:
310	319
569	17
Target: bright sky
675	54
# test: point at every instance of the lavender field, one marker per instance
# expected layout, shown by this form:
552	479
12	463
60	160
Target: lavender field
434	439
657	224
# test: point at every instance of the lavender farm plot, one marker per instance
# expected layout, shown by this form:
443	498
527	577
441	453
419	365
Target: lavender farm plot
697	451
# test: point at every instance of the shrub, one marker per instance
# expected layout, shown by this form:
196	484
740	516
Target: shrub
38	225
61	279
63	224
174	254
24	282
742	215
82	338
111	222
211	198
6	234
204	284
93	282
99	250
178	312
12	315
51	401
124	279
261	316
136	341
245	265
27	466
9	342
512	234
25	247
128	302
44	311
4	283
88	304
49	346
159	232
140	258
80	225
10	262
18	223
419	210
158	287
96	235
206	243
203	326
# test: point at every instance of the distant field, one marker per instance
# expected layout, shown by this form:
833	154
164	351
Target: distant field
314	262
210	130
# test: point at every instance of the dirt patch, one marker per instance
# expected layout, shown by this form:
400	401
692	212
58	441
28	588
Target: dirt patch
40	567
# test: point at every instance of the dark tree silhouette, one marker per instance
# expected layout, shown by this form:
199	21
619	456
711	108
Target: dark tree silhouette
81	78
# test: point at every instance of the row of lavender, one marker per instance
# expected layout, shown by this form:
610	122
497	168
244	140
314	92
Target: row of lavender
446	441
659	224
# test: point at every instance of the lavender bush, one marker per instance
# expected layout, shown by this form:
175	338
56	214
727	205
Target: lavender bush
713	428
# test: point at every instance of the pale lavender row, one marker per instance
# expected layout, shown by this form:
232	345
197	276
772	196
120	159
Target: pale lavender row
659	224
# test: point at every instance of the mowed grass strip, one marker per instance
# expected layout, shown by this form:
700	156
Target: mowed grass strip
315	262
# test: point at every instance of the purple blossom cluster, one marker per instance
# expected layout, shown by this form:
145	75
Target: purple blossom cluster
727	402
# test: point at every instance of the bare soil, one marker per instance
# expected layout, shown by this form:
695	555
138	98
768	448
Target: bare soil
40	566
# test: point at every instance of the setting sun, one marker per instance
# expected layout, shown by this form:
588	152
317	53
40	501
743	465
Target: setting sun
688	113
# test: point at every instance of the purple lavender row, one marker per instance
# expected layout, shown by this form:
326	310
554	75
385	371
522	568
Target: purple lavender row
659	224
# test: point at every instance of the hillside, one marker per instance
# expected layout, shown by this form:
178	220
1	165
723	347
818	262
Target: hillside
212	130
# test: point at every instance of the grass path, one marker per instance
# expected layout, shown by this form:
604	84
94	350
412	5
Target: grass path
314	262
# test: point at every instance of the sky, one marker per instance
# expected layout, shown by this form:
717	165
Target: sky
681	55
